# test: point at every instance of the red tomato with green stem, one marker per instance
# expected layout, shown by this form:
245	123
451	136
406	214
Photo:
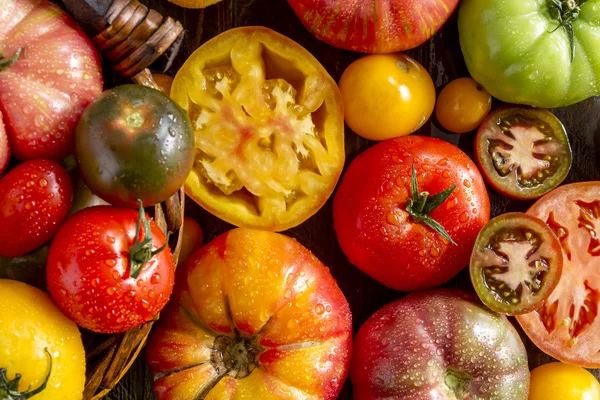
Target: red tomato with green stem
408	212
35	198
49	73
374	26
109	269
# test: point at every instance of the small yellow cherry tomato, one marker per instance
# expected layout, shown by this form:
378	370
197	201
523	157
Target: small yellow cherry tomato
463	105
386	96
558	381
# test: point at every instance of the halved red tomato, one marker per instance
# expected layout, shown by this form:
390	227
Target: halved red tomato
523	152
516	263
567	325
269	125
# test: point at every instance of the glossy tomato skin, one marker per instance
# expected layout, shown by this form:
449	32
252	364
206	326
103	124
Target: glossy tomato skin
567	325
528	61
35	198
134	143
29	323
269	290
44	93
564	382
269	126
462	105
439	344
374	26
4	147
88	271
396	80
377	234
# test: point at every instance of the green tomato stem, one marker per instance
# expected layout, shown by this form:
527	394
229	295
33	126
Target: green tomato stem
141	252
12	60
9	390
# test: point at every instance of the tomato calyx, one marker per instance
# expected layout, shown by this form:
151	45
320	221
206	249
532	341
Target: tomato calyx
456	383
566	12
7	63
420	205
141	252
9	390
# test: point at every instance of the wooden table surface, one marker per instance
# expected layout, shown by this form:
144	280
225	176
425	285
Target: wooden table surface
442	57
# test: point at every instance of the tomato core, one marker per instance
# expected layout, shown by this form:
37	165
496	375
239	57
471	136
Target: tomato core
456	383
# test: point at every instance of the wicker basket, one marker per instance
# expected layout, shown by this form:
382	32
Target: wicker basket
109	357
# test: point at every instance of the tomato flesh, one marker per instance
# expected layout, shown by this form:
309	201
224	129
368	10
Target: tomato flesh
269	129
567	326
516	263
258	317
522	152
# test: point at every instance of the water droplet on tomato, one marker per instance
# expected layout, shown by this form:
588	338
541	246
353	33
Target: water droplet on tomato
110	291
319	309
467	183
155	279
463	217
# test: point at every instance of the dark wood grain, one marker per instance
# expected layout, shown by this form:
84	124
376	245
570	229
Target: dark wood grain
442	57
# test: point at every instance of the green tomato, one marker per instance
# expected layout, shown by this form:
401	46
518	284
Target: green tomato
134	142
522	52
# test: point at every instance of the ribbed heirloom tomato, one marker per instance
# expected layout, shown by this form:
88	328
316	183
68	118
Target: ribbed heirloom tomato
408	211
269	127
258	317
374	26
49	73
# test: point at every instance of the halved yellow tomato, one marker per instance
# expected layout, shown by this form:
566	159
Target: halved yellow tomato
258	318
269	128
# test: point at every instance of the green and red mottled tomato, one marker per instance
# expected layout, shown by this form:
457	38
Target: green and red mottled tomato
258	317
35	198
4	147
542	53
49	73
396	80
563	382
522	152
435	345
269	124
516	263
109	269
374	26
40	344
567	325
408	212
134	142
462	105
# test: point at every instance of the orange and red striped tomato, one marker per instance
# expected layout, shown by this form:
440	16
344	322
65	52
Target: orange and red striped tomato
258	317
374	26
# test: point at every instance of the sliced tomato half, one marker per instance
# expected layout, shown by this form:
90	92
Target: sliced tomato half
516	263
567	325
523	152
269	126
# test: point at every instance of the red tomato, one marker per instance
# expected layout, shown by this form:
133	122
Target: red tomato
92	275
258	317
45	90
567	325
4	147
374	26
35	198
439	345
390	240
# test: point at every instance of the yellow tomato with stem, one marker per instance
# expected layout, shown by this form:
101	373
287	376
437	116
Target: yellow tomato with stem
558	381
462	105
386	96
39	343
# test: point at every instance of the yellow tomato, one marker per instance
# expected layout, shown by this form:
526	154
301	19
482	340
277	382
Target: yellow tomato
386	96
558	381
37	338
194	3
463	105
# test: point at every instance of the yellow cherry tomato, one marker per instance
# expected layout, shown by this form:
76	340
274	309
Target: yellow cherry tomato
38	342
386	96
558	381
463	105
